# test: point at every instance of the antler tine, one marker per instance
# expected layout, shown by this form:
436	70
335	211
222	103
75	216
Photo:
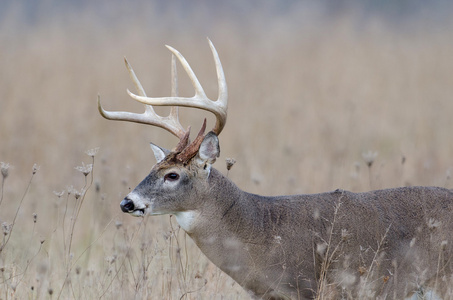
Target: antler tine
149	117
222	99
174	87
199	100
138	85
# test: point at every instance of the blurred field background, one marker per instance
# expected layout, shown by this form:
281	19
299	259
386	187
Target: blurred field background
313	85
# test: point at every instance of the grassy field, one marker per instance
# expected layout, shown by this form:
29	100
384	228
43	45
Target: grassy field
309	95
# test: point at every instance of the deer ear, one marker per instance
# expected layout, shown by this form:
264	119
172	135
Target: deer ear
159	153
209	148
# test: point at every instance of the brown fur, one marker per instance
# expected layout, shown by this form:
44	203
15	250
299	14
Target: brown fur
384	244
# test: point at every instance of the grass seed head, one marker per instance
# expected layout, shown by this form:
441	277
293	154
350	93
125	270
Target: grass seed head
230	163
5	169
35	168
92	152
369	157
118	224
59	194
85	169
6	228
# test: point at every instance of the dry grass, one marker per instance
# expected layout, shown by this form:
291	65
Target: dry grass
307	98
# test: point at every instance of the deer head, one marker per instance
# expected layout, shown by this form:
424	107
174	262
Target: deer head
168	187
175	181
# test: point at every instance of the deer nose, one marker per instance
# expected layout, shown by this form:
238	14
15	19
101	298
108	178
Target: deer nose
127	205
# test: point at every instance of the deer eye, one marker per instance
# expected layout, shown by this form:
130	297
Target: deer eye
171	177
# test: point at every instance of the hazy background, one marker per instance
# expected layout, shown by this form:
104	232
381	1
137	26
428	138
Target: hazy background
312	86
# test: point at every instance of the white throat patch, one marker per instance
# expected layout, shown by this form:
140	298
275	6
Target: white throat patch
187	219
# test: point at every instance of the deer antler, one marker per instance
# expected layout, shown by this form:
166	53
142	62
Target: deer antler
171	122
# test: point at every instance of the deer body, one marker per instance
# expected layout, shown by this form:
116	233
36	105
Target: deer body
280	247
385	244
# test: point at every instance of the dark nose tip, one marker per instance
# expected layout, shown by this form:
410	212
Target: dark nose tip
127	205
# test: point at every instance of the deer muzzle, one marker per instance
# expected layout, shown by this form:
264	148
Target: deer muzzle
128	206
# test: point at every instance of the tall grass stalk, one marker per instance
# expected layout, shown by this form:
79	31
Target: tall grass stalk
11	227
328	252
80	197
123	261
5	171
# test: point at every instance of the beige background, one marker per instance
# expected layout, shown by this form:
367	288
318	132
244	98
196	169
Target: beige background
312	88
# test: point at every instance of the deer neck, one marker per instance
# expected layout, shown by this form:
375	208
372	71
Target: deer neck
224	211
213	204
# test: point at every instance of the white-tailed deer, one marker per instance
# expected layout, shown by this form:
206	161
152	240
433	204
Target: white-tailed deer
385	244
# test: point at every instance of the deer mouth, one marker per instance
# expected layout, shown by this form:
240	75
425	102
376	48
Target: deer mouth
138	212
